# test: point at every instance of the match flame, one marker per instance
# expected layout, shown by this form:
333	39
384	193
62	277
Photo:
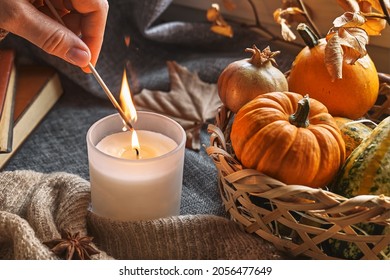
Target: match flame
129	110
126	101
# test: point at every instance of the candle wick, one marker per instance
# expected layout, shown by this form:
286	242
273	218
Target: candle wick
137	152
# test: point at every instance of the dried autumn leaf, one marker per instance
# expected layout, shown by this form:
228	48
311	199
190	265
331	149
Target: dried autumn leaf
219	25
223	30
352	35
365	6
353	42
285	17
371	23
213	13
347	44
191	102
374	25
286	31
334	57
364	61
349	19
374	4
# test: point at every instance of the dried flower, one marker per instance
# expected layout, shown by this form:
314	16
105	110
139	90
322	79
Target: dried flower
72	246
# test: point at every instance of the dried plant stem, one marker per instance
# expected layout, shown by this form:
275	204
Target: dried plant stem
308	18
258	22
385	11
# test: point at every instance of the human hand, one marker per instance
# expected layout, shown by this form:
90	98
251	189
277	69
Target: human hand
78	43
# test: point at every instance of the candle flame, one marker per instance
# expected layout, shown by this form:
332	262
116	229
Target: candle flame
126	101
135	143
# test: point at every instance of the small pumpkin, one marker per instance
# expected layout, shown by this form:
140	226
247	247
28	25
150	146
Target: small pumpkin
350	97
353	132
244	79
367	169
288	137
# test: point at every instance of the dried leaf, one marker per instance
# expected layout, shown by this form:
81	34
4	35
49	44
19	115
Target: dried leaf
223	30
349	19
364	61
374	4
287	33
191	102
351	34
365	6
213	13
354	41
278	15
219	25
290	14
346	44
334	57
374	25
287	16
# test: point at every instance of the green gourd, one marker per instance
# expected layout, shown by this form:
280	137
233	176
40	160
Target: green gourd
367	169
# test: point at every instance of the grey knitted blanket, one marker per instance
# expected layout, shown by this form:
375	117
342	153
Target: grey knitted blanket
35	207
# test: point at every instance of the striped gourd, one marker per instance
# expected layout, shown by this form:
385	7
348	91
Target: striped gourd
353	132
367	169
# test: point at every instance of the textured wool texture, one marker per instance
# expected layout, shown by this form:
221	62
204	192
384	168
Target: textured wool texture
35	207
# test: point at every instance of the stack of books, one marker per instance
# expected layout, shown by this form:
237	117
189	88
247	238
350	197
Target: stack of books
27	94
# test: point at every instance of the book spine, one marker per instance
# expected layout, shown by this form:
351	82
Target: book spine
6	64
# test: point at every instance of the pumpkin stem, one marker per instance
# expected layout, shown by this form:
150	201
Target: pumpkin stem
259	58
300	117
308	36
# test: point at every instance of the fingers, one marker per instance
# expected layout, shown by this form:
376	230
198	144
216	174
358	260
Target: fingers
51	36
23	19
86	18
93	23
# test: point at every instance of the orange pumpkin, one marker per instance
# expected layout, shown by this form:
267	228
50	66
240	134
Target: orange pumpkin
289	138
244	79
350	97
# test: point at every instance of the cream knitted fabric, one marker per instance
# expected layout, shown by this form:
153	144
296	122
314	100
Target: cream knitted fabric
35	207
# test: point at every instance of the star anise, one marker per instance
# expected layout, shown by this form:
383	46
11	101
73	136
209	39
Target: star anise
72	246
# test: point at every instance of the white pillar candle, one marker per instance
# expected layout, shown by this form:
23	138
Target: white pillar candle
126	188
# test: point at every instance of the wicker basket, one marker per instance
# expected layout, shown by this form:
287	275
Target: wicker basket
302	221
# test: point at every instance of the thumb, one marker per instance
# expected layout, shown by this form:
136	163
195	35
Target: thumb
52	37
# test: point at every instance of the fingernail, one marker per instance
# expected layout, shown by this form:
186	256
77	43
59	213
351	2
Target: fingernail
78	57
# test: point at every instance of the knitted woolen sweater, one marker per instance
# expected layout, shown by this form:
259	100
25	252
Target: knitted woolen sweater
35	207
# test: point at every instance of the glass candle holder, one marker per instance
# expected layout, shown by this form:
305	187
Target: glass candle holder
136	189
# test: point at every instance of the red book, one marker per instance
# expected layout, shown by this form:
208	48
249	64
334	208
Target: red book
7	96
